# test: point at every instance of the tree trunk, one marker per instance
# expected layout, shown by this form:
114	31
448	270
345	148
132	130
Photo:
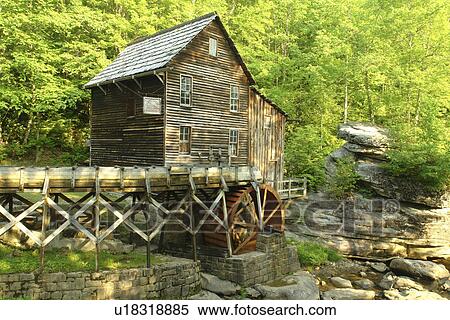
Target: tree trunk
346	101
28	129
369	100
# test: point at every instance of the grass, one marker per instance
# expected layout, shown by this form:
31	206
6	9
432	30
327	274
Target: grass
14	260
312	254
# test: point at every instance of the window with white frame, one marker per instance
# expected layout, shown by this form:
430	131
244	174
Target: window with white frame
234	98
213	47
185	140
186	91
234	142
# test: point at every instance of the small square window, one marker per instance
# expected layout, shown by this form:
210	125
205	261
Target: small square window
213	47
234	98
185	140
233	142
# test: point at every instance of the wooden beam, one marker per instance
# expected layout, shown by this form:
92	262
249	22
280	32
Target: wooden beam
138	83
159	78
101	88
118	85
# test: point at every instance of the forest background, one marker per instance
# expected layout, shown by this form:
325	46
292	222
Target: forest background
323	61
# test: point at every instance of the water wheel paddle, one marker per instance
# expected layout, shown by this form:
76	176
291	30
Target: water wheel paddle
243	218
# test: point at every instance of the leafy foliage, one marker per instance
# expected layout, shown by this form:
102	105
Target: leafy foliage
422	155
343	183
323	61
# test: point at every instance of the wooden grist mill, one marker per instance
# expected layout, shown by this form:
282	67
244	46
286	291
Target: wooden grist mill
179	136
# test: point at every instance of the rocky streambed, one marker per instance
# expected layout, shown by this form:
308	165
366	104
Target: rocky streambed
398	279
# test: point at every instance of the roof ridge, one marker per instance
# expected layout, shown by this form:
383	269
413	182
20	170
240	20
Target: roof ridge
143	38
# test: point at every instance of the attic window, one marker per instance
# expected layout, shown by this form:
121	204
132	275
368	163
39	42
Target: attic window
186	91
234	98
213	47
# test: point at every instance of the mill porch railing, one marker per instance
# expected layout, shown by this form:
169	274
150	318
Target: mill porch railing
290	188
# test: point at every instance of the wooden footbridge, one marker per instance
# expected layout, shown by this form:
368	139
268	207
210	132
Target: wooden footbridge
221	206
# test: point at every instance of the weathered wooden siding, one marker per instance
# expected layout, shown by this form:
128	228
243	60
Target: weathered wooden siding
118	140
210	117
266	141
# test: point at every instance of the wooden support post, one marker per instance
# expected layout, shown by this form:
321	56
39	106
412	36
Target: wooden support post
192	190
97	219
147	207
255	185
53	215
132	218
44	220
226	225
225	211
11	204
193	232
148	190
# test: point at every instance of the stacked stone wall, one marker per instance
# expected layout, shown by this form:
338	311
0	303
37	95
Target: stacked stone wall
172	280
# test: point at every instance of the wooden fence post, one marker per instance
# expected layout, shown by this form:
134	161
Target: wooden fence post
289	188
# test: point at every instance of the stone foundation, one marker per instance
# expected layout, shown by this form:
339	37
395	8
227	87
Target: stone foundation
272	260
172	280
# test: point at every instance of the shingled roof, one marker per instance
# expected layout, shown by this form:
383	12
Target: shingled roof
155	52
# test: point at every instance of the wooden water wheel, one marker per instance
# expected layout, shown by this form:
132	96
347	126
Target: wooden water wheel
243	218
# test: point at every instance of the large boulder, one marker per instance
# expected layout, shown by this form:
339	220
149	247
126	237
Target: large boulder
379	266
365	284
300	286
348	294
365	151
411	294
339	282
215	284
403	283
419	269
364	134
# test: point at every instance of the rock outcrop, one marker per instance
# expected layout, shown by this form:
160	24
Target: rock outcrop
367	146
400	219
